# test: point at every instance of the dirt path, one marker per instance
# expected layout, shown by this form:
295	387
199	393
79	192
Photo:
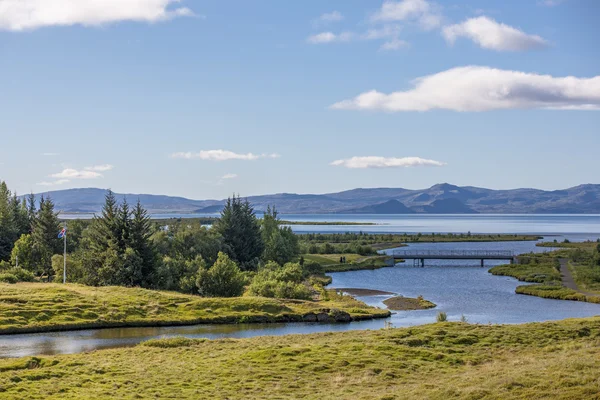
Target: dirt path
567	278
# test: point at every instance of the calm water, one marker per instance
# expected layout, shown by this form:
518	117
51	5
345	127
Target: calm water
457	287
439	223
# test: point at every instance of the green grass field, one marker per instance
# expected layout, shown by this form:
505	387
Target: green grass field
36	307
554	360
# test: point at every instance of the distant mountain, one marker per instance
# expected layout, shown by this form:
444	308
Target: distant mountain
441	198
446	206
388	207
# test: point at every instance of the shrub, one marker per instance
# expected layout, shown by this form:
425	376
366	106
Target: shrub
8	278
441	317
280	282
21	274
223	279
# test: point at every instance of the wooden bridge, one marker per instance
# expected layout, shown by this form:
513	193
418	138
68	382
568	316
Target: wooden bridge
419	256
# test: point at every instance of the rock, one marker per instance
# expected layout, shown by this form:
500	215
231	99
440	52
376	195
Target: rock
340	316
310	317
323	317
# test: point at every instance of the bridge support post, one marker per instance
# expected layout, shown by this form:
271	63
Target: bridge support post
422	263
482	265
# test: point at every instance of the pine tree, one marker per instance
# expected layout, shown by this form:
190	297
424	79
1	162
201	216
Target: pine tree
141	230
44	234
241	234
100	246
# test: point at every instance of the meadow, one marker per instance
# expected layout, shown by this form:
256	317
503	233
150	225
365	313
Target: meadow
449	360
40	307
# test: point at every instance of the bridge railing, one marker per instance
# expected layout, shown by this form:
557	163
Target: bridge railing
453	253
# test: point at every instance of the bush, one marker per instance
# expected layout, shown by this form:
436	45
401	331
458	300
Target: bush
223	279
284	282
441	317
21	274
8	278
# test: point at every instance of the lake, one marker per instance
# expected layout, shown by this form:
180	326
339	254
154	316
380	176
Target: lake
457	287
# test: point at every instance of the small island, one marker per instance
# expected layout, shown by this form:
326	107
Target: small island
400	303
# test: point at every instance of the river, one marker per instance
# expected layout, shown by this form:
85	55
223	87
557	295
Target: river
457	287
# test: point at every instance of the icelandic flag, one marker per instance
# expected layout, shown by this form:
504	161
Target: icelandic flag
62	233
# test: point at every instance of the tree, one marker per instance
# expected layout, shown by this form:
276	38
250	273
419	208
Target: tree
240	230
13	220
116	248
223	279
44	234
140	231
23	252
281	244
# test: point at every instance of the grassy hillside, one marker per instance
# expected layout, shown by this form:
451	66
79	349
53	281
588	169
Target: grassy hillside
558	360
33	307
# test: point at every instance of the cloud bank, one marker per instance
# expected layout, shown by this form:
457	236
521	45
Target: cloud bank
221	155
492	35
384	162
20	15
475	88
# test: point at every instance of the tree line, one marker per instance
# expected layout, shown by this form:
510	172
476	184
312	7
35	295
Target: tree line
122	246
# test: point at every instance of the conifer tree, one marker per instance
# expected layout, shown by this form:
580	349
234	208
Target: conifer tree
141	230
44	234
241	234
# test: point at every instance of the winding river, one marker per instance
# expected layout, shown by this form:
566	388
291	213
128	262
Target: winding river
457	287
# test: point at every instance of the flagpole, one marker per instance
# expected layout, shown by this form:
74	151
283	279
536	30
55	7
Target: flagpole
65	255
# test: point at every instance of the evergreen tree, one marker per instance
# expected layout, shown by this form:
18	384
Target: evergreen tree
100	246
240	229
140	242
44	234
281	244
116	248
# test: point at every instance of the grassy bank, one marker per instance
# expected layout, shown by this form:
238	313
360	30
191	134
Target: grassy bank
354	262
538	270
400	303
556	292
558	360
38	307
544	270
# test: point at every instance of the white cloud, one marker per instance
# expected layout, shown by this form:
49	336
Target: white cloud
229	176
70	173
50	154
490	34
20	15
330	37
100	168
425	13
385	162
221	155
475	88
334	16
57	182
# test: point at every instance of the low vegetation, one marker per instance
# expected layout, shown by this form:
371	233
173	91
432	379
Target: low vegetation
438	361
535	269
38	307
400	303
545	270
352	262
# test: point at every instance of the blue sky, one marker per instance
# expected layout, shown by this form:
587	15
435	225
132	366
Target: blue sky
205	98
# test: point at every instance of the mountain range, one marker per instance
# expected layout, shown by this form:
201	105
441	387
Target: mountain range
439	199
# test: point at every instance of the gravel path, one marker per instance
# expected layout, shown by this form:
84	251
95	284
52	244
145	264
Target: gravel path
567	278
